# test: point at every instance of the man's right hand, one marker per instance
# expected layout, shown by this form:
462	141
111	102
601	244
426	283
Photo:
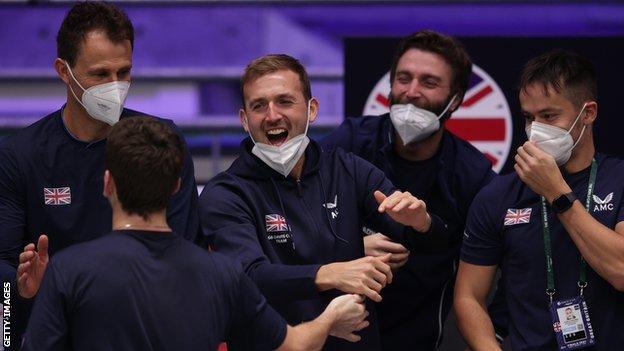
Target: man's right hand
32	266
349	315
365	276
378	245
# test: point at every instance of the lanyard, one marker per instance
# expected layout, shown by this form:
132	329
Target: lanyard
550	280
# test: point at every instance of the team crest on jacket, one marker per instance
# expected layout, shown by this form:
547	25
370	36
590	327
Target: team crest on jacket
483	119
57	196
275	223
517	216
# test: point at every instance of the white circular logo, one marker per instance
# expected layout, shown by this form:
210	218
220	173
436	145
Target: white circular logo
483	119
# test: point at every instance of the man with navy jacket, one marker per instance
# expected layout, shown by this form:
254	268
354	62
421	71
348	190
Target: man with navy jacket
428	76
51	172
292	213
555	226
142	287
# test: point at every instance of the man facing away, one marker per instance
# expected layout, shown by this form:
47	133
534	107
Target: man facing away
142	287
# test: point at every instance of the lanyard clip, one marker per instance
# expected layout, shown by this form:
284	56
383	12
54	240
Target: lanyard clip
582	285
550	293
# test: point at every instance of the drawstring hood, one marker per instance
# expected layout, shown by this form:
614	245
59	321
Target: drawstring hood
279	199
338	237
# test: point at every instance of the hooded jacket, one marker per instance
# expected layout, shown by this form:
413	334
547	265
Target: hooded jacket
284	229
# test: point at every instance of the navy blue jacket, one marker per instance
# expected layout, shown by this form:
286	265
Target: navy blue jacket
417	302
283	230
51	183
141	290
517	247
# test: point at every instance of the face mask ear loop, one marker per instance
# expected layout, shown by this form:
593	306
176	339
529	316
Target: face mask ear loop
249	129
73	77
305	132
577	118
573	124
72	89
447	106
579	138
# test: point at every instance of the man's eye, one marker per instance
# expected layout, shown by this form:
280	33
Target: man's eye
430	84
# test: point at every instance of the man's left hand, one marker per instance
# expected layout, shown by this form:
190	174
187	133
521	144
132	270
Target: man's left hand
540	172
405	208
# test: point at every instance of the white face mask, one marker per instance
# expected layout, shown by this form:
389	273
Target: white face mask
283	158
414	123
103	102
554	140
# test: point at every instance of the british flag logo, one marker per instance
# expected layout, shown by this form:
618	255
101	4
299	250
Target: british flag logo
275	223
57	196
517	216
557	327
483	119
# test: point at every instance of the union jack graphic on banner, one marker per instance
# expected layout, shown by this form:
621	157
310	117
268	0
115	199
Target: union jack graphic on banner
517	216
275	223
57	196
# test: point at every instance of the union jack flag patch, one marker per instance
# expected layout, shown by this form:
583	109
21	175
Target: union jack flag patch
57	196
517	216
275	223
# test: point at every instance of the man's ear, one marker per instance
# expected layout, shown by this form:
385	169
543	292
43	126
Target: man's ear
61	69
314	107
177	186
243	118
590	113
109	185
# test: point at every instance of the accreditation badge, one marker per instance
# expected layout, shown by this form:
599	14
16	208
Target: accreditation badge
571	323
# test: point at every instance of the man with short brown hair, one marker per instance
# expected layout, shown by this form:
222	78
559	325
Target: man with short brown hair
429	76
292	213
51	171
142	287
555	226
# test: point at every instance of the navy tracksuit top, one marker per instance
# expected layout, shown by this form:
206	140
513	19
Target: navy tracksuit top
283	230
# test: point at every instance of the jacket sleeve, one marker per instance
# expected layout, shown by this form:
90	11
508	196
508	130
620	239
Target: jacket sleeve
12	214
368	180
47	329
182	213
228	223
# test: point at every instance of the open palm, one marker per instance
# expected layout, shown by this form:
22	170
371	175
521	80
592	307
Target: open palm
32	265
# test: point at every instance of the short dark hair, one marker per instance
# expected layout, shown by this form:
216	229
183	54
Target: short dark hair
566	72
451	50
144	157
273	63
88	16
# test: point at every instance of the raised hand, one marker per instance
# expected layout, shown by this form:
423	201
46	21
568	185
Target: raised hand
32	265
404	208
